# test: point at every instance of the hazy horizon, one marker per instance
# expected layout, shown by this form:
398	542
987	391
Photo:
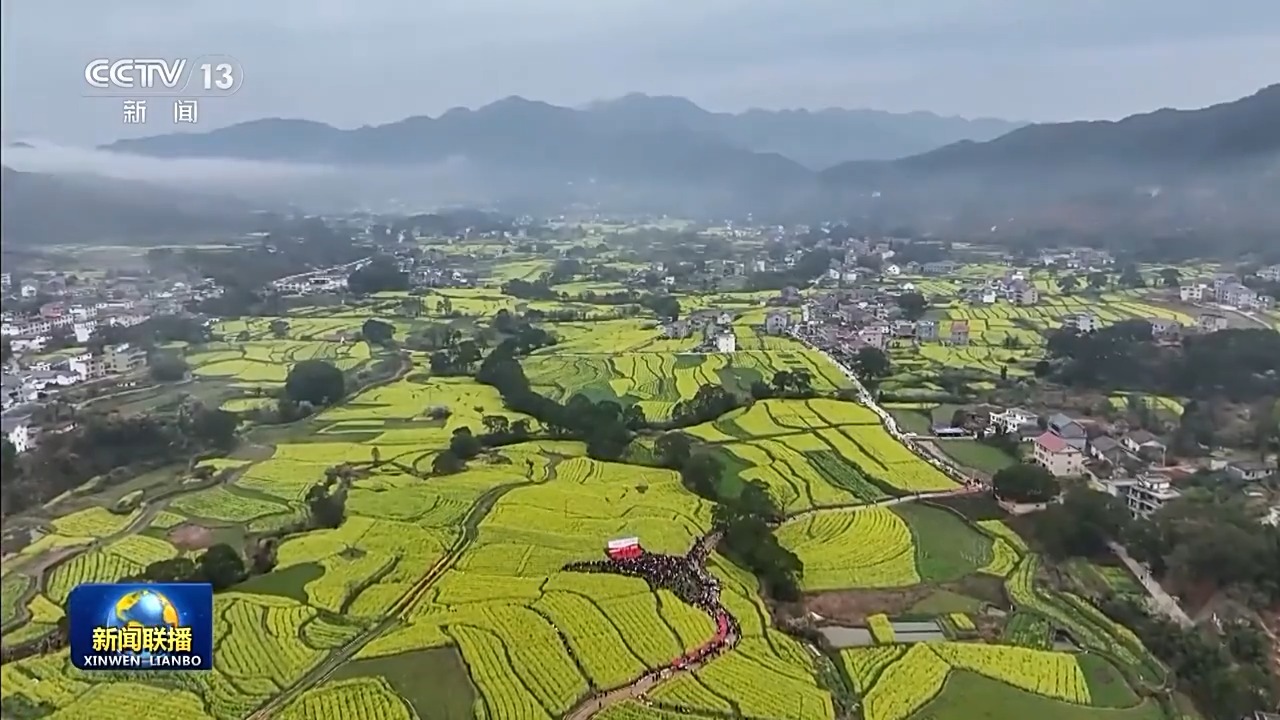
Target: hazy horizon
368	64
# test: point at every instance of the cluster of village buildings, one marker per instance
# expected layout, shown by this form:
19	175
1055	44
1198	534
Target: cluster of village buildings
48	343
1229	291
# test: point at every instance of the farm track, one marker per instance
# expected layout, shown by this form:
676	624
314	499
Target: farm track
337	658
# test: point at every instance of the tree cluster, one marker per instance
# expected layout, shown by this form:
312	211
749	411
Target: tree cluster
1236	364
382	274
785	383
1025	483
746	517
106	446
220	566
317	382
605	426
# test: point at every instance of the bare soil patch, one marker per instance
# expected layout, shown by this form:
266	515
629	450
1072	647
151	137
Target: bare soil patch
853	606
190	536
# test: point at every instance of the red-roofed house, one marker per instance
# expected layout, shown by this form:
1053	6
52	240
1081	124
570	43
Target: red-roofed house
1057	456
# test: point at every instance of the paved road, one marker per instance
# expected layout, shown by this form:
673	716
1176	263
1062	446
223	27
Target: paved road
1162	600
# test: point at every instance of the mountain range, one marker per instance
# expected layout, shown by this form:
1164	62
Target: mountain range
519	130
1216	167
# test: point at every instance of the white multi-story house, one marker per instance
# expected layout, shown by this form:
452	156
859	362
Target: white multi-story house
1237	295
1057	456
726	342
776	322
19	433
88	367
1011	420
1192	293
1271	274
1149	494
1082	322
84	330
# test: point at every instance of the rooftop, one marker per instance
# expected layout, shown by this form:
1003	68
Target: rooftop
1053	443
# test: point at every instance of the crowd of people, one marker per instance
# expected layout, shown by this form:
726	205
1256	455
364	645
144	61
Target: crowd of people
676	573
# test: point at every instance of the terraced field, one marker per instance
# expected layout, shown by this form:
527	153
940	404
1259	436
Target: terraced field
444	596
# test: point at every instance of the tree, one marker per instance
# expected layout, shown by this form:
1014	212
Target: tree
913	305
381	274
463	444
1131	277
504	322
377	332
1081	524
871	363
781	380
315	381
1025	483
167	367
447	463
279	328
1068	284
1171	277
1098	280
222	566
496	424
673	449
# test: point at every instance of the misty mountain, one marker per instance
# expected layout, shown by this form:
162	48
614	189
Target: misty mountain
636	137
560	145
52	209
816	139
1177	167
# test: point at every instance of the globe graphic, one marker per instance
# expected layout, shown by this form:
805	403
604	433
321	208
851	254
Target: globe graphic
143	608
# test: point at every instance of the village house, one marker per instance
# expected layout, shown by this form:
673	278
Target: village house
1069	430
939	268
726	342
776	322
1107	449
926	330
18	432
1164	329
1144	445
677	329
1149	494
1024	293
904	329
29	288
875	336
1192	293
1250	470
1012	420
1270	274
123	358
1237	295
1211	322
1055	455
1082	322
28	343
959	332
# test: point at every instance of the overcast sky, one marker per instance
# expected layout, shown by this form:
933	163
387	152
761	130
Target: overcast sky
351	63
